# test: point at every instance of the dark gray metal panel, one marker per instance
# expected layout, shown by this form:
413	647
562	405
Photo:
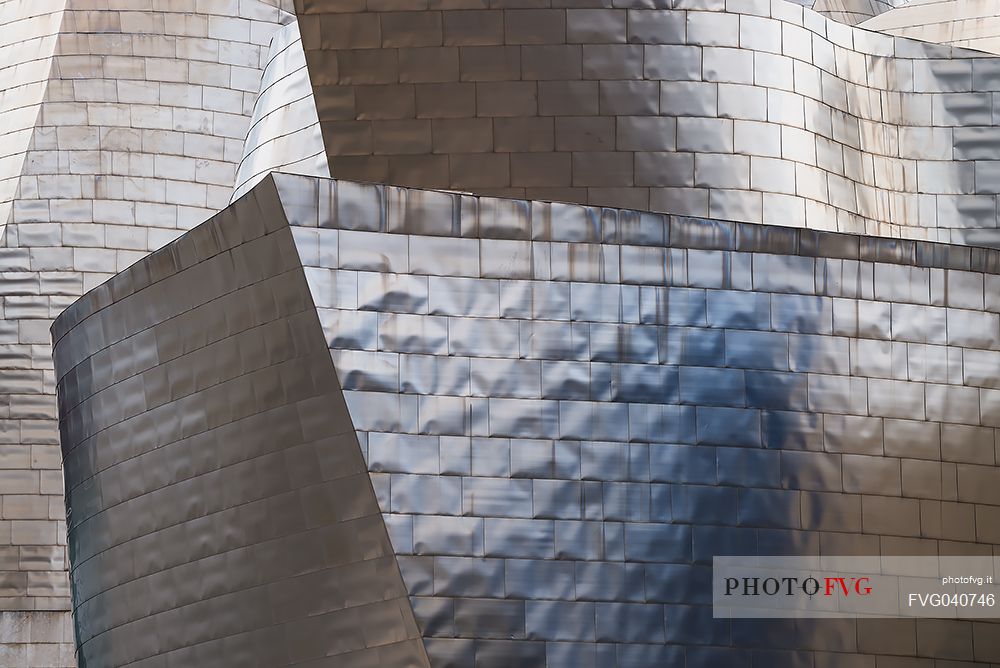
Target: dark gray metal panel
70	234
217	494
557	461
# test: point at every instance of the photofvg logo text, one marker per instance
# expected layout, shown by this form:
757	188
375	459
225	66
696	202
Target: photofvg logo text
791	587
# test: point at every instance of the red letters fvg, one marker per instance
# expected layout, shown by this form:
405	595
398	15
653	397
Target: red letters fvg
845	586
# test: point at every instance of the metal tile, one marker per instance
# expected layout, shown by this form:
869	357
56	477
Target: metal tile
544	396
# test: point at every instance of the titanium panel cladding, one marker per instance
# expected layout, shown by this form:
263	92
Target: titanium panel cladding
284	132
757	111
565	411
852	12
954	22
220	509
120	128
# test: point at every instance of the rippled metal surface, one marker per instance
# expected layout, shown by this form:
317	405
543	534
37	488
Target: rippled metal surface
758	110
121	125
27	42
220	509
284	131
852	12
964	23
139	122
566	411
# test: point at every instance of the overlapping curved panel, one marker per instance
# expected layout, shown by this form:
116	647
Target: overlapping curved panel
27	42
566	411
966	23
284	131
220	510
122	126
759	111
851	12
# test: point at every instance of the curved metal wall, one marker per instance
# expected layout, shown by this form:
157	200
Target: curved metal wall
131	120
220	510
27	41
964	23
760	112
566	412
851	12
284	130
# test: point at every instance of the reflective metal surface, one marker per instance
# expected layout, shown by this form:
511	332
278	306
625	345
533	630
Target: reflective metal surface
852	12
27	42
284	132
220	512
757	110
963	23
121	125
557	448
565	410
